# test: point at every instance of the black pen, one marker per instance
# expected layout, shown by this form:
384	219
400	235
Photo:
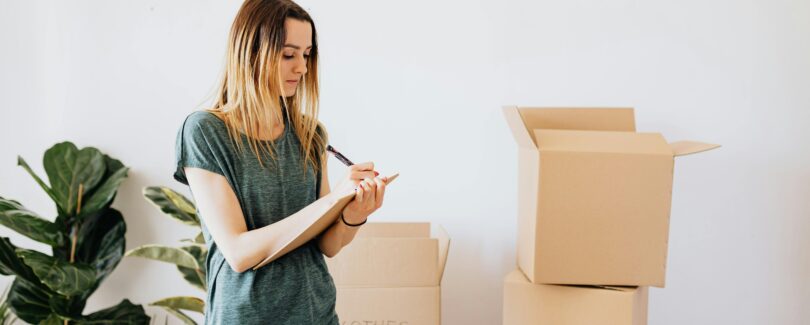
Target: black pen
339	156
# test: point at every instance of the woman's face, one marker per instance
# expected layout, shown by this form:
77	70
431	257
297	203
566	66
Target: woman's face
295	54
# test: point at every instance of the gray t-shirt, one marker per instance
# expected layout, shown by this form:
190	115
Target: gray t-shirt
294	289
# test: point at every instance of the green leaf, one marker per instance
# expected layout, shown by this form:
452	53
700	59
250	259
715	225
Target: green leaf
179	314
103	243
193	277
185	303
48	190
199	239
196	277
29	224
172	203
68	167
123	313
11	264
69	308
166	254
28	302
102	196
53	319
59	275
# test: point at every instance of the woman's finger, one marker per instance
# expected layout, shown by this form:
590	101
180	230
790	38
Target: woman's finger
380	192
369	193
366	166
361	175
360	193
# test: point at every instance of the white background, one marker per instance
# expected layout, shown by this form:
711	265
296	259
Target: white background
417	86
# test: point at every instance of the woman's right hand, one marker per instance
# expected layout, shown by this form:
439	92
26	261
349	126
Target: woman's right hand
357	173
368	198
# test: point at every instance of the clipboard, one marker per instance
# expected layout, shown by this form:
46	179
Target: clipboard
326	210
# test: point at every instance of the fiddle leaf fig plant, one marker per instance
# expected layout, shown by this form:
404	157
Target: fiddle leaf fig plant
86	240
189	258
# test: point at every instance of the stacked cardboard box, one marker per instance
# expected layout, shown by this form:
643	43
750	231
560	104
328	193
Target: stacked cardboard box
593	213
391	274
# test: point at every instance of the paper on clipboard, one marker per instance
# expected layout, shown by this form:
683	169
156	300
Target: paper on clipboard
327	210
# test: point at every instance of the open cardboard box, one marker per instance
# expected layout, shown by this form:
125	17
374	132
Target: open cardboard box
549	304
391	274
593	196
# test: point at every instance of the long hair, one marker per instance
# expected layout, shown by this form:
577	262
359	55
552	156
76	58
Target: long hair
250	94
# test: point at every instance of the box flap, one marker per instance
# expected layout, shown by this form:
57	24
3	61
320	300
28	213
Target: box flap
380	257
517	276
683	148
520	131
444	249
394	229
601	141
523	120
579	118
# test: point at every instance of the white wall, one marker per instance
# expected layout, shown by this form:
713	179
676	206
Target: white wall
416	86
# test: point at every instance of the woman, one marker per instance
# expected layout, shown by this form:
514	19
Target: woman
268	101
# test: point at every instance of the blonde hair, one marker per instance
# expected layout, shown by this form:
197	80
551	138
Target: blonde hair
250	94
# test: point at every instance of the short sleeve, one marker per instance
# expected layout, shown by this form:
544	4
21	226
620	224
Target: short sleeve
197	146
320	158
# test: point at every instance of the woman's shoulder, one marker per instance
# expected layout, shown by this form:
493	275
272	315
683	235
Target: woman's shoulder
203	124
203	117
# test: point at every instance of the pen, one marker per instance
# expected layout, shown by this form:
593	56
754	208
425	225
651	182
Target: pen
343	158
339	156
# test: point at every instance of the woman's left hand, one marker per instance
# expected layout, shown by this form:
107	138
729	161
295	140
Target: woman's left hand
368	198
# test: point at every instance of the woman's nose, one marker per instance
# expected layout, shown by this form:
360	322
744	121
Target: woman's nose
300	66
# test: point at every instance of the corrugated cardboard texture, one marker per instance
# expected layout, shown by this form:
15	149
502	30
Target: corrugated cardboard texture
389	306
540	304
392	255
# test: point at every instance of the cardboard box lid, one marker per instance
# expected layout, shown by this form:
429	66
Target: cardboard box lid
601	141
682	148
615	142
392	255
524	120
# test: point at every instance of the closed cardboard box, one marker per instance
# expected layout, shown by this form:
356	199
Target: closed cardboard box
593	196
391	274
526	303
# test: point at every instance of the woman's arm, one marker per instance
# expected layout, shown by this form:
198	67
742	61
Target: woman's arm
220	210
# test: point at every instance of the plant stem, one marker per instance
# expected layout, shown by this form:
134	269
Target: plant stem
74	231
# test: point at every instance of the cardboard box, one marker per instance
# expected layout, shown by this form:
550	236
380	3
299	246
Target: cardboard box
391	274
389	306
593	196
525	303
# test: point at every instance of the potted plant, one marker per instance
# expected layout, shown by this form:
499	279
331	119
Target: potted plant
86	239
